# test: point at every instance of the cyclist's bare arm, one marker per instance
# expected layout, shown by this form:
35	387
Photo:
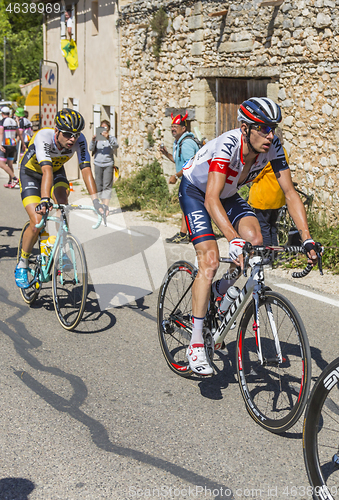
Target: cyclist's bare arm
215	185
46	183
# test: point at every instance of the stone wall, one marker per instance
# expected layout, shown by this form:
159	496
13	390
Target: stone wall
296	44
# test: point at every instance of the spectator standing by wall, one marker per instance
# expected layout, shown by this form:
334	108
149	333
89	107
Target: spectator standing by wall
103	150
266	197
184	148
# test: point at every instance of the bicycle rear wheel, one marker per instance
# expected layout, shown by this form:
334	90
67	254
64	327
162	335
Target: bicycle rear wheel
275	393
284	224
321	435
175	315
70	279
30	294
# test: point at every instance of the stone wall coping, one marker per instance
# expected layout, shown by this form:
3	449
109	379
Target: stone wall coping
181	111
236	72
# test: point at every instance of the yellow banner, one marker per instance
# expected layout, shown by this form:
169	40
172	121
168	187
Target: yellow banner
48	96
70	53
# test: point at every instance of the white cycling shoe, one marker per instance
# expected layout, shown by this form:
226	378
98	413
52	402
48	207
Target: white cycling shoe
197	360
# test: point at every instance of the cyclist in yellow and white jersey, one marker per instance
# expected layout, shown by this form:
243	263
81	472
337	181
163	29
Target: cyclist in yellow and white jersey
42	174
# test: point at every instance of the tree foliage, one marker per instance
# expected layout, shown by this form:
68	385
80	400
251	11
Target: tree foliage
24	42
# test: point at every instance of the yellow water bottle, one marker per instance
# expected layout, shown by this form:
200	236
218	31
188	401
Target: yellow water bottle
46	243
43	240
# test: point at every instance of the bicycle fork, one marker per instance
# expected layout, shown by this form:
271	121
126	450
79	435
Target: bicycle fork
256	329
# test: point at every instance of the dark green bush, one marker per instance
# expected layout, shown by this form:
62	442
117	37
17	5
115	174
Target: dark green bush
328	235
147	189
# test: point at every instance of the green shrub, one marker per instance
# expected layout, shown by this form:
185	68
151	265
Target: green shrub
328	236
147	189
150	139
159	25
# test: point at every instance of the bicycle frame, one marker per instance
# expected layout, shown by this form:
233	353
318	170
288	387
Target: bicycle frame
255	285
43	272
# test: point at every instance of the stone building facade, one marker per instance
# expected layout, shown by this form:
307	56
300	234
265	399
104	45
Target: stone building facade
210	50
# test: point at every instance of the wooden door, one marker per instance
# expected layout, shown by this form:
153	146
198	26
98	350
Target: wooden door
231	92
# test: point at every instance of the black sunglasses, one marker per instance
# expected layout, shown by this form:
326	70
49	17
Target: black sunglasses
69	135
264	129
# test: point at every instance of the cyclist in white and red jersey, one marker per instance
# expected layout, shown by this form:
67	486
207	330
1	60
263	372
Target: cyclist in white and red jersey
209	191
42	175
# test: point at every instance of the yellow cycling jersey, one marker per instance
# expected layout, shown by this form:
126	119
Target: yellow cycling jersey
42	150
266	193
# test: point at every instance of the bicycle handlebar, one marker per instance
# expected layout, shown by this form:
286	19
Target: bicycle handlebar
68	208
258	250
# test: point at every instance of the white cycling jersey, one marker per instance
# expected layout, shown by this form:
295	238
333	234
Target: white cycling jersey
9	127
225	155
43	150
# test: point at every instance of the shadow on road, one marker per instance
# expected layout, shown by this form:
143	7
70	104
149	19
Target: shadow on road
24	343
15	488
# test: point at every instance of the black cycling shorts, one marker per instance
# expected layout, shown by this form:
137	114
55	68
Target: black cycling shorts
9	154
30	184
192	202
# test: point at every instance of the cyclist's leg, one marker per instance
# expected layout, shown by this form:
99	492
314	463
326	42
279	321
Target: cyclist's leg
30	189
201	233
243	219
30	194
208	262
60	190
274	229
264	219
4	165
248	228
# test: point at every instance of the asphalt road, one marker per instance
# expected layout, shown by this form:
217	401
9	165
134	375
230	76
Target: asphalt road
97	414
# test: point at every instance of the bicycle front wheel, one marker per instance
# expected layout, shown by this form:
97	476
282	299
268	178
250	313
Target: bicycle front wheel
30	294
175	315
275	391
70	279
321	435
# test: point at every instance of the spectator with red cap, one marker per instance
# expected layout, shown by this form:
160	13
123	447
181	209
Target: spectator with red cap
184	148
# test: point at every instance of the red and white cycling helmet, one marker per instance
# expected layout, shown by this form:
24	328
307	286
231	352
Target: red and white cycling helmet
258	110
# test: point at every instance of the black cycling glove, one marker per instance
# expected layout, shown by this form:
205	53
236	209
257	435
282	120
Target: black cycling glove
44	203
309	245
97	205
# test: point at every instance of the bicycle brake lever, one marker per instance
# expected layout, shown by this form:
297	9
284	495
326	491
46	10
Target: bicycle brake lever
246	252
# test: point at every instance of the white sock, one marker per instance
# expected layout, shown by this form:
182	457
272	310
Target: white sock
197	325
23	263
